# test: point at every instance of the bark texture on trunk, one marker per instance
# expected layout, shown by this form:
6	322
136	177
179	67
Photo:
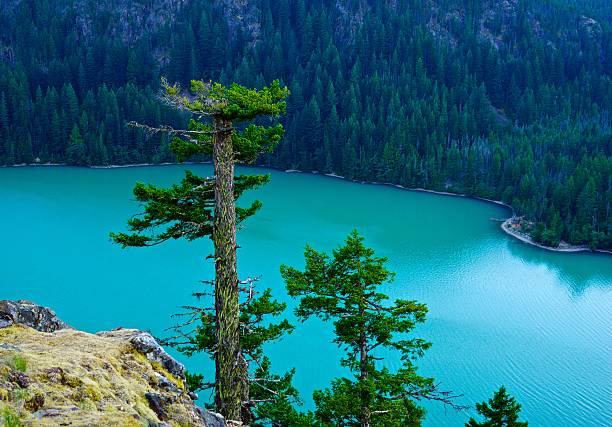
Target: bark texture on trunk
230	380
366	416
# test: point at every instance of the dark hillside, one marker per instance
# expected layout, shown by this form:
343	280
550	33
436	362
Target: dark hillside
504	99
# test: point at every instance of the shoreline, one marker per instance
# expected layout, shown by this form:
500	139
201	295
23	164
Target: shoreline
132	165
401	187
563	247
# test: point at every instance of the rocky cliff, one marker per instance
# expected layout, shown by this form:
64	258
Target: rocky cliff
51	374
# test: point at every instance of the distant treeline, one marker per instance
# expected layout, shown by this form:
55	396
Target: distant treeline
509	101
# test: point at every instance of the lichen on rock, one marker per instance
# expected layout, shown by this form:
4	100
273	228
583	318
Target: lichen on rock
68	377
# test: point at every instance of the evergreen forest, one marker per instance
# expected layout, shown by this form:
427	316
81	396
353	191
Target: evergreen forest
508	100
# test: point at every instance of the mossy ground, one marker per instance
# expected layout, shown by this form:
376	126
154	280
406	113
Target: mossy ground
87	379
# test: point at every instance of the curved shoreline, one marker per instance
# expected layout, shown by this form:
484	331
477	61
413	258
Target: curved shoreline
564	247
401	187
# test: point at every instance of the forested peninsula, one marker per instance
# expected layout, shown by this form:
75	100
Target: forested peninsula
504	100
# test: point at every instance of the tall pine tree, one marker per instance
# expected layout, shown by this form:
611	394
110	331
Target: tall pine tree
199	207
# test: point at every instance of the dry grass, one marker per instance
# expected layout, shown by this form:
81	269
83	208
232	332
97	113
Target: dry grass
91	380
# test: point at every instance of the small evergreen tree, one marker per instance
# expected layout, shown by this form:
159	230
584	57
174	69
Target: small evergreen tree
500	411
75	152
344	289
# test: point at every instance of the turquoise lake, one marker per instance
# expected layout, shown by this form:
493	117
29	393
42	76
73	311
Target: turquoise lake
501	312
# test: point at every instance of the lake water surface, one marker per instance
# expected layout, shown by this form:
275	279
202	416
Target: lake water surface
501	312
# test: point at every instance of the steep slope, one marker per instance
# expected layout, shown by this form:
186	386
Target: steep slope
508	100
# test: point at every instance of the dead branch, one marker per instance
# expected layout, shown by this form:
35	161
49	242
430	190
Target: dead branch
432	393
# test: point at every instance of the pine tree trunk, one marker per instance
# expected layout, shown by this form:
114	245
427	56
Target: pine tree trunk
366	415
365	398
230	382
363	365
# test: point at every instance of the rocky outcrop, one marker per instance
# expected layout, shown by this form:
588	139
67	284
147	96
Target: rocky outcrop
127	20
131	20
590	27
29	314
145	344
241	15
51	374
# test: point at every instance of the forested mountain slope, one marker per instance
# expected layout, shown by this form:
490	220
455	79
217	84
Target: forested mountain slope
505	99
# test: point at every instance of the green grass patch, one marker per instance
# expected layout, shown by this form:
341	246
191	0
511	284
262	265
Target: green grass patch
10	418
18	363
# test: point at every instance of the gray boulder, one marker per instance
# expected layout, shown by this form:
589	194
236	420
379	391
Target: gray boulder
27	313
212	419
144	343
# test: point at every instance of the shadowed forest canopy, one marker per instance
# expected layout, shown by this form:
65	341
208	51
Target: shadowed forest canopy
503	99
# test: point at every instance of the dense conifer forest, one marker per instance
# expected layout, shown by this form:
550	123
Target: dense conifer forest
508	100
